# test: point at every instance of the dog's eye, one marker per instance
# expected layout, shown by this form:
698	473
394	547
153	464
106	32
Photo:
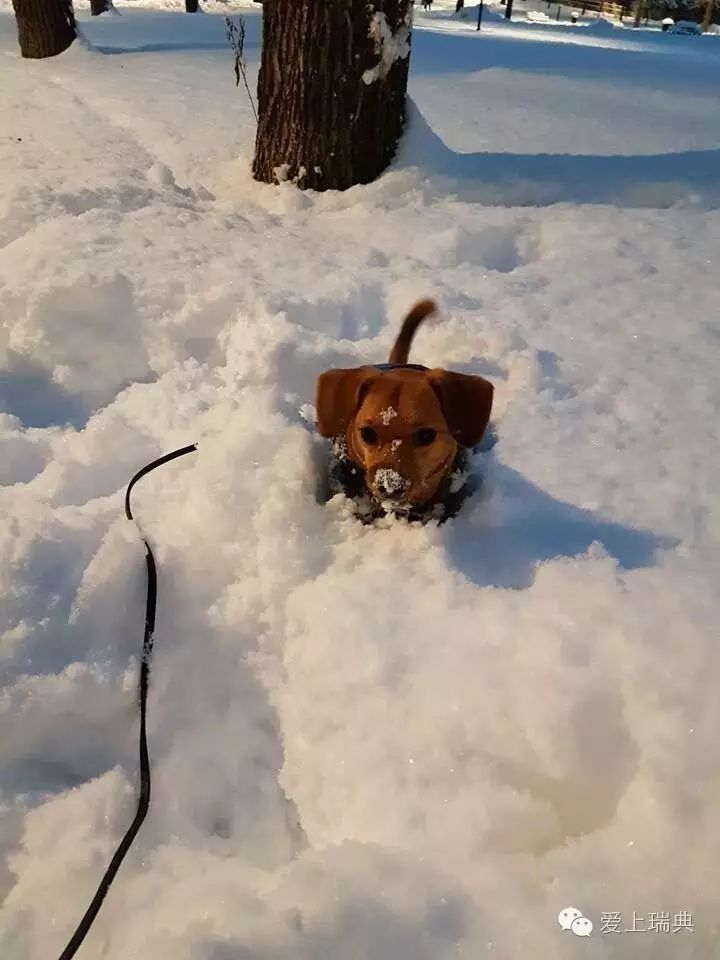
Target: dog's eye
369	436
424	436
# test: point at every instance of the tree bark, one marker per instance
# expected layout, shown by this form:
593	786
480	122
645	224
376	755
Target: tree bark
460	5
99	6
707	19
191	6
508	9
45	27
331	90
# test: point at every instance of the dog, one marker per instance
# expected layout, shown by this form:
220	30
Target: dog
402	432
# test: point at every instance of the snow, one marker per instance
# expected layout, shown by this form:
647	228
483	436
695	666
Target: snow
390	480
387	415
389	46
458	479
416	742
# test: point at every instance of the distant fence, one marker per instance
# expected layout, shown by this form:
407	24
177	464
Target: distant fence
600	7
608	7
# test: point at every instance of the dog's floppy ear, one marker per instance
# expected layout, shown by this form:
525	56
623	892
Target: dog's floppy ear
337	397
466	402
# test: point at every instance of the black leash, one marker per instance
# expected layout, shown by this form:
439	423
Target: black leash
147	650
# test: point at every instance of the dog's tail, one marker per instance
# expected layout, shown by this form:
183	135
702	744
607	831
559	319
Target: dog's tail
401	350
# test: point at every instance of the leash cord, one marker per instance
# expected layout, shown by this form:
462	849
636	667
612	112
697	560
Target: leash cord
147	650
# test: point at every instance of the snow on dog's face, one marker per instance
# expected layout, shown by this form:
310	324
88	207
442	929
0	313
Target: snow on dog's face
403	426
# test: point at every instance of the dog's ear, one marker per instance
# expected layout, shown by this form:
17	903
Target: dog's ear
338	395
466	402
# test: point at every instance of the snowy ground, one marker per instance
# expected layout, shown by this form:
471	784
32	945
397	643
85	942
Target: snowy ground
407	743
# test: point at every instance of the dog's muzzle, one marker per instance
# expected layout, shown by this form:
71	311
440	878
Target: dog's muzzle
347	478
388	484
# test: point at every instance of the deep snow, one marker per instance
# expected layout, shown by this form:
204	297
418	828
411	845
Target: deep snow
417	743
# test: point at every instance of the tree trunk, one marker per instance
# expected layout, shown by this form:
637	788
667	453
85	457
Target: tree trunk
99	6
639	12
331	90
508	9
460	5
45	27
707	19
191	6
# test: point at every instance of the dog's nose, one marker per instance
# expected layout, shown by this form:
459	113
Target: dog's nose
390	485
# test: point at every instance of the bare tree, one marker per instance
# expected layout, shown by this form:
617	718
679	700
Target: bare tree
45	27
331	90
639	10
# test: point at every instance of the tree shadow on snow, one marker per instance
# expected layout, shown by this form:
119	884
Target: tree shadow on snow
185	47
517	526
562	50
168	31
513	179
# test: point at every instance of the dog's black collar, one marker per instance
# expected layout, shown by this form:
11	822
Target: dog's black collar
346	477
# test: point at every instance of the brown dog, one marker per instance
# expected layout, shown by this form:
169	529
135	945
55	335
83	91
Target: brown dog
402	426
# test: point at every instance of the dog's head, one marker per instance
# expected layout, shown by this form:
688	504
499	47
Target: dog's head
403	426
